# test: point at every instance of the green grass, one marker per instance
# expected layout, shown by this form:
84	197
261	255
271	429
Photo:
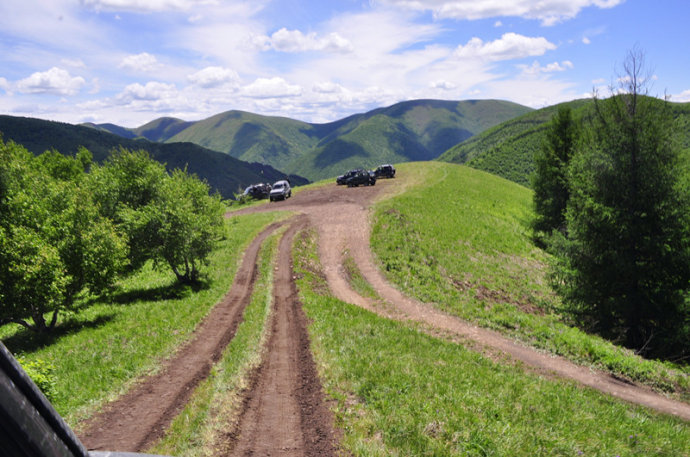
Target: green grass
400	392
199	429
461	241
99	352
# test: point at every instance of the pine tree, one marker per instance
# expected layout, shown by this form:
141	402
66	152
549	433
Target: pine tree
550	181
627	266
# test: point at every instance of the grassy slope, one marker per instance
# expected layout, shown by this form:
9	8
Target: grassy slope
400	392
462	242
408	131
224	174
508	149
100	351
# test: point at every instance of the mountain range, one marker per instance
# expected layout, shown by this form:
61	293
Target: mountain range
407	131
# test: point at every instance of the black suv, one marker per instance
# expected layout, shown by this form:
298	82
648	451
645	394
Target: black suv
385	171
342	179
361	177
258	191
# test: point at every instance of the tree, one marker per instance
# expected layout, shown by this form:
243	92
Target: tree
183	224
53	243
626	266
550	182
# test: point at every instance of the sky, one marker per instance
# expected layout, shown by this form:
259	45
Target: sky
128	62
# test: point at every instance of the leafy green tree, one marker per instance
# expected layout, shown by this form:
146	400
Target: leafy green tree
53	243
127	182
183	224
626	268
550	182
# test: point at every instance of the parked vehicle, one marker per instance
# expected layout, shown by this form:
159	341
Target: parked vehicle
280	191
341	180
362	177
385	171
258	191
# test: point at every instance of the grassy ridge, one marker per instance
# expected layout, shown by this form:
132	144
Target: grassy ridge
400	392
462	242
100	351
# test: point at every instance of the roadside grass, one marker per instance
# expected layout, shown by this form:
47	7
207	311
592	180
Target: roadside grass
461	241
356	280
401	392
97	353
202	427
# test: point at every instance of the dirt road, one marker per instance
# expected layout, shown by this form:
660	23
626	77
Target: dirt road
284	413
341	217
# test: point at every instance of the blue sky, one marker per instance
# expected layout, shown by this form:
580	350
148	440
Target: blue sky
131	61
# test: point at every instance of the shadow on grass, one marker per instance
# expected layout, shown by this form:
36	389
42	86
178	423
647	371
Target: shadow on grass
173	291
28	341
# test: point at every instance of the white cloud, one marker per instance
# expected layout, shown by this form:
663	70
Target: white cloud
54	81
214	77
586	40
139	62
549	12
145	5
536	67
509	46
285	40
76	63
328	88
153	90
271	88
498	24
682	97
443	85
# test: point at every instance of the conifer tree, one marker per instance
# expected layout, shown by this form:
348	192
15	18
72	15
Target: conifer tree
626	271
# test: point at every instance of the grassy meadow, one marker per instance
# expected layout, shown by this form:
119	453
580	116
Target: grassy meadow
401	392
461	240
97	353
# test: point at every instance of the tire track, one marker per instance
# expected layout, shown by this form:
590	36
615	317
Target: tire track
140	417
284	413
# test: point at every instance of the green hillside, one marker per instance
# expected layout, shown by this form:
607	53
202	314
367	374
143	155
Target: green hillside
406	131
224	173
508	149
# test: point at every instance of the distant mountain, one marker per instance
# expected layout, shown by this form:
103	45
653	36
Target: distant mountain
223	173
406	131
508	149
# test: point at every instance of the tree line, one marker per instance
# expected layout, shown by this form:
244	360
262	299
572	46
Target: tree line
612	205
70	227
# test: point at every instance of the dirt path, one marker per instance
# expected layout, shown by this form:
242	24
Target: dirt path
137	419
284	413
341	217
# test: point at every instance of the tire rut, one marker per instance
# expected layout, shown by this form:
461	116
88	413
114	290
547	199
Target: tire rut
137	419
284	413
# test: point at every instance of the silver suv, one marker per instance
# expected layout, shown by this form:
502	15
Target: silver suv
280	191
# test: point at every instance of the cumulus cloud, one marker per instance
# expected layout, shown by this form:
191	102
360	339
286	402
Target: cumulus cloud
153	90
214	77
55	81
549	12
509	46
285	40
139	62
271	88
536	68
